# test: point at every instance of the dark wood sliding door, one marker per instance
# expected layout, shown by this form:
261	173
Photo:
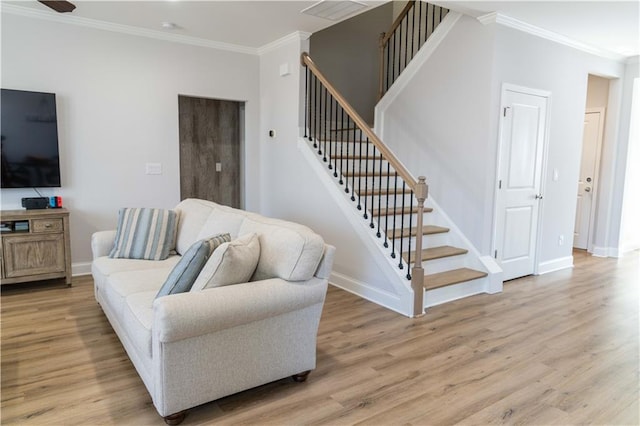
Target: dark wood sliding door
210	150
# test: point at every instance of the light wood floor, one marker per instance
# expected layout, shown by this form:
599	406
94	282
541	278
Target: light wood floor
561	348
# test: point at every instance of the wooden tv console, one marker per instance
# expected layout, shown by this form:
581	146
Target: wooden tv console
34	245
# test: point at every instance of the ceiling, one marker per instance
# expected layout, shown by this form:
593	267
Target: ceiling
609	25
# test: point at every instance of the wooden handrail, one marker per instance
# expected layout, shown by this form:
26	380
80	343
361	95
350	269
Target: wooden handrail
362	125
398	21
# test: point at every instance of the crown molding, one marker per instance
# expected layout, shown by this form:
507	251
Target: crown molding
294	36
507	21
633	60
124	29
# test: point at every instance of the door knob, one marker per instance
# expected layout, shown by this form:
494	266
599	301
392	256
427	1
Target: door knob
587	189
538	196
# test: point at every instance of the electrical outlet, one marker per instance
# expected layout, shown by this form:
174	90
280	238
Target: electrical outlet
561	240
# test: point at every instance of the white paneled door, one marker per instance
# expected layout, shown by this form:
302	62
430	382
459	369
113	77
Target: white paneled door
523	130
591	143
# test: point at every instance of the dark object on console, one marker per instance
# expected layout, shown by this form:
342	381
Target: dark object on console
35	203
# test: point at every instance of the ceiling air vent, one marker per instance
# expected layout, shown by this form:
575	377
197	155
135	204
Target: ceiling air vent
334	10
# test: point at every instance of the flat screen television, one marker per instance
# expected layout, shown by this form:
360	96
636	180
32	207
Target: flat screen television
29	137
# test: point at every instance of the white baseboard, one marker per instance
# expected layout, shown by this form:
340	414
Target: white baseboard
555	265
80	268
613	251
372	294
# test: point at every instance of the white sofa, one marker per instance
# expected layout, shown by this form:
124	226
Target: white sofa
195	347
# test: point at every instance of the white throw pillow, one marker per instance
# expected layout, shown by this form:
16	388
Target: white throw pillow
230	263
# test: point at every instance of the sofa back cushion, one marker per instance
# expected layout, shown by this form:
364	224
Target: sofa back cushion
287	250
192	215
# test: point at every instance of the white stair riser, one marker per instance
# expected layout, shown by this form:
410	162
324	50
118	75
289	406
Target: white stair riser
443	264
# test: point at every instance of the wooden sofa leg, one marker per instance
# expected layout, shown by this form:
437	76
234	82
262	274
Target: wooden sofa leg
176	418
301	377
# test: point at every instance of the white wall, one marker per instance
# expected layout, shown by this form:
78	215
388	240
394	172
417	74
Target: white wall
438	127
445	125
118	109
629	176
291	190
530	61
348	55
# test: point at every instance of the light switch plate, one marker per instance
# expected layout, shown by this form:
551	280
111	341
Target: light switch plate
218	167
153	168
284	69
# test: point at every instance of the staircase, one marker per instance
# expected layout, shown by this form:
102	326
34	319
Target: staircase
409	227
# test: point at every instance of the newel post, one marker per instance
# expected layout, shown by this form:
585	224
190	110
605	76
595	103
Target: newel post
417	273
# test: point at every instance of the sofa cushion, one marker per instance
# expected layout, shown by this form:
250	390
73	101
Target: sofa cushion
106	266
183	275
137	319
144	233
193	214
231	263
123	284
287	250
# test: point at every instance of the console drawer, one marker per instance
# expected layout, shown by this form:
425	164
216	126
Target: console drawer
46	225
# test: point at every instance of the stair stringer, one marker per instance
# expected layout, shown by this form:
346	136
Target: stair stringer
491	284
402	301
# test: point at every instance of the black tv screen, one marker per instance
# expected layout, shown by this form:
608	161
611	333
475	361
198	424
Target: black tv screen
29	133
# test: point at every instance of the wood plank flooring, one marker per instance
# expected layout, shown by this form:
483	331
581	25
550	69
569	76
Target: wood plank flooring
561	348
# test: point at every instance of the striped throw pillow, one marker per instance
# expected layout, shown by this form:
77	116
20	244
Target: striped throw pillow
145	233
186	271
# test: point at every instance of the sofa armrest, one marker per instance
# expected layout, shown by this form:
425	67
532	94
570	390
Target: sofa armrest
185	315
102	243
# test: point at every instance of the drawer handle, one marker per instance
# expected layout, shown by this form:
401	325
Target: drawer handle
47	225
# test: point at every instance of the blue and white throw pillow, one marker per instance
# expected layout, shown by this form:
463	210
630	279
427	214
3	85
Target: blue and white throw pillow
145	233
188	268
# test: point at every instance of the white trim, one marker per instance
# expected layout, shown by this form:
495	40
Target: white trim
633	60
414	66
516	24
294	36
596	174
80	268
554	265
493	281
364	290
124	29
607	251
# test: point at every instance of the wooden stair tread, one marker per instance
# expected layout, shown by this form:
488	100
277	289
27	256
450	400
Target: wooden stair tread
438	252
400	210
455	276
426	230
